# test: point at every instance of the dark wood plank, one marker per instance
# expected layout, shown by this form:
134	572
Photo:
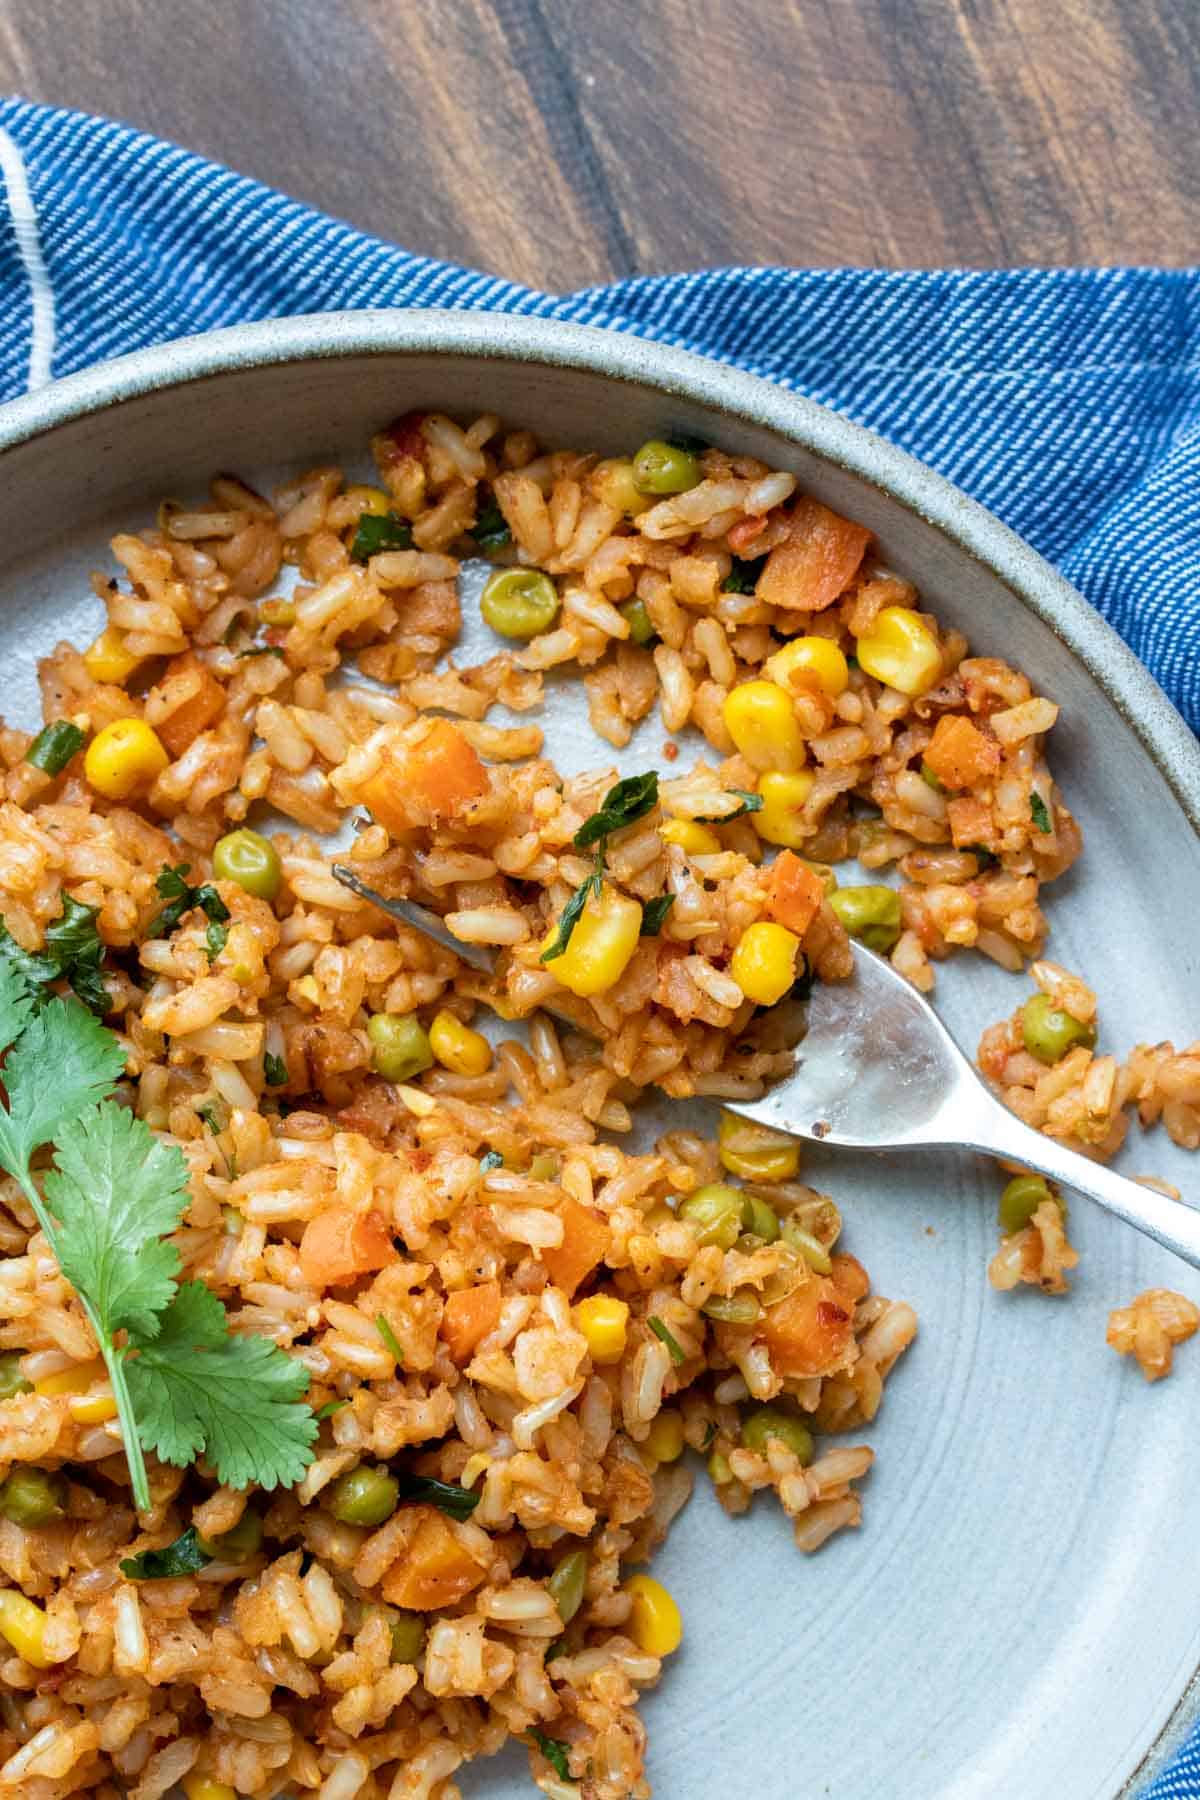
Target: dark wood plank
566	141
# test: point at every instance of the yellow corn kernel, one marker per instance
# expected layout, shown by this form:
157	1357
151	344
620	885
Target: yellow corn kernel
605	937
603	1320
24	1625
755	1152
783	796
691	836
123	757
759	718
306	989
654	1623
92	1409
613	483
901	651
457	1047
373	500
108	660
75	1380
664	1441
764	963
203	1787
815	656
277	612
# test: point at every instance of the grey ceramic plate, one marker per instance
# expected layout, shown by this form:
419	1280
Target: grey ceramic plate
1020	1614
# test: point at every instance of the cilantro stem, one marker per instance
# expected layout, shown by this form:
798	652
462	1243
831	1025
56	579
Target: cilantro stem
114	1359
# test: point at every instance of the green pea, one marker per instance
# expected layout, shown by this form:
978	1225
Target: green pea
810	1248
519	603
241	1542
408	1637
11	1379
660	468
401	1046
31	1497
1049	1032
1021	1199
759	1219
641	626
251	860
364	1496
870	914
735	1309
717	1210
767	1422
567	1584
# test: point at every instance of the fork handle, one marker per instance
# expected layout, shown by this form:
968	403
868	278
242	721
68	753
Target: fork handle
1171	1223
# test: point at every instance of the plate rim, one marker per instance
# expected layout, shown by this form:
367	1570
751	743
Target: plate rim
621	356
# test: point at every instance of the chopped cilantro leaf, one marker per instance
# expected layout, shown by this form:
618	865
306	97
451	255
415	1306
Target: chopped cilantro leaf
215	935
743	577
181	898
750	803
493	1160
490	529
573	910
377	532
1039	812
555	1753
184	1557
654	914
73	951
626	802
275	1070
330	1407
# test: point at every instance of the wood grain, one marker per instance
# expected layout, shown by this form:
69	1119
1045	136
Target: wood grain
567	141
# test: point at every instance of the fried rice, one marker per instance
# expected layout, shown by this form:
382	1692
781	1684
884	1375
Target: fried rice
296	678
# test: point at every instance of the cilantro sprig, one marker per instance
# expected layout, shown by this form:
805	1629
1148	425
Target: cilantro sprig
183	1385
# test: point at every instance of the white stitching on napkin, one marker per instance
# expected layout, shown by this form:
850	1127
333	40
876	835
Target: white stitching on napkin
29	245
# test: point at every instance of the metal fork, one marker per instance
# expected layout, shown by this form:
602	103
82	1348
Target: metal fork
877	1070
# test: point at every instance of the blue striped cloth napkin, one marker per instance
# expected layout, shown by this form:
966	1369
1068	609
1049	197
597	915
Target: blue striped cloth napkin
1066	400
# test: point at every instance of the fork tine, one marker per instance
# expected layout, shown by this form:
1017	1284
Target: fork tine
478	956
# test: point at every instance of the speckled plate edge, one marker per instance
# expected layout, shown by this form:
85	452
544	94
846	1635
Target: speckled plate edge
623	358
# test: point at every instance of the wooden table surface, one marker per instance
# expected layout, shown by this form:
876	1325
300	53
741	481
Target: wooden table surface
568	141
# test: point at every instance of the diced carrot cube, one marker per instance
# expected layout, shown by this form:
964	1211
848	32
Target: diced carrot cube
815	562
810	1331
850	1278
468	1317
585	1240
794	893
339	1246
205	702
437	1569
439	778
959	754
